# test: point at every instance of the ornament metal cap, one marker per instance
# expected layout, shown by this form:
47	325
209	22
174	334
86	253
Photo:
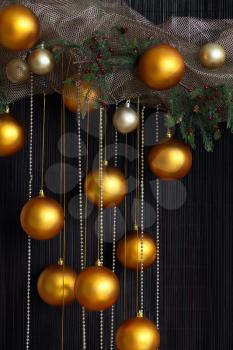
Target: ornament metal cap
135	227
41	193
127	104
7	109
98	263
169	133
60	262
105	163
140	314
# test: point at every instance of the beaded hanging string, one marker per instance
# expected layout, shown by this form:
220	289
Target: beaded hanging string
142	215
125	229
137	200
112	330
81	222
101	216
30	182
157	223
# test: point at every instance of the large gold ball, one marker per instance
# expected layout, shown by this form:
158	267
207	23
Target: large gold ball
41	61
129	250
161	67
212	55
42	218
97	288
19	27
170	159
88	96
12	135
17	71
114	187
137	333
56	285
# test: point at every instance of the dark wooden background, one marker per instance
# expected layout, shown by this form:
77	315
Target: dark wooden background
196	239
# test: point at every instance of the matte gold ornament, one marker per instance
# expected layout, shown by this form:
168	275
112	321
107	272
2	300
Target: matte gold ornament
212	55
170	159
125	119
97	288
129	250
56	284
161	67
41	61
19	27
17	71
137	333
42	217
12	135
114	187
88	97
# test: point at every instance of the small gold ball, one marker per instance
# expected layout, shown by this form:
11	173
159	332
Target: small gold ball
19	27
129	250
114	187
17	71
42	218
161	67
170	159
97	288
41	61
137	333
212	55
56	285
12	135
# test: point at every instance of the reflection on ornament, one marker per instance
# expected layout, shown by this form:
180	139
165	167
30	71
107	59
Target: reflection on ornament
137	333
88	97
161	67
97	288
125	119
170	159
12	135
42	217
114	187
41	61
17	71
129	250
56	285
19	27
212	55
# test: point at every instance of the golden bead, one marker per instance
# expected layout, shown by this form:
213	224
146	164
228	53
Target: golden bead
170	159
97	288
114	187
42	218
161	67
129	250
56	285
12	135
19	27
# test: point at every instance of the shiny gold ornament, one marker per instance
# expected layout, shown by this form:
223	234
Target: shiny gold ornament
41	61
56	285
161	67
137	333
97	288
19	27
212	55
17	71
125	119
170	159
88	97
42	217
114	187
12	135
129	250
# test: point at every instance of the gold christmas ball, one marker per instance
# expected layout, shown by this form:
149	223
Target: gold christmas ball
41	61
129	250
97	288
17	71
12	135
42	217
114	187
56	285
137	333
161	67
88	96
125	119
170	159
212	55
19	27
